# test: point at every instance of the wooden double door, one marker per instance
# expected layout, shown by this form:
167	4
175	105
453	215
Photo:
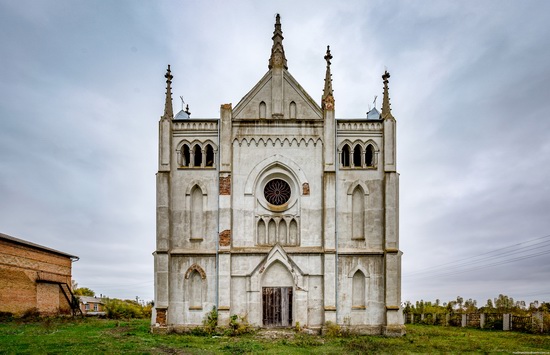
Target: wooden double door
277	306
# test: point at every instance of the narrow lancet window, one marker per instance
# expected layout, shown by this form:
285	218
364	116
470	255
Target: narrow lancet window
293	233
358	213
261	233
282	232
197	214
186	155
358	290
272	232
209	156
198	156
293	110
345	156
195	290
262	110
357	156
369	156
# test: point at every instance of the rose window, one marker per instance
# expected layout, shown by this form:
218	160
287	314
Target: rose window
277	192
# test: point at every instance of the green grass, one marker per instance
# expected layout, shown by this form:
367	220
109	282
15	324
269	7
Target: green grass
93	336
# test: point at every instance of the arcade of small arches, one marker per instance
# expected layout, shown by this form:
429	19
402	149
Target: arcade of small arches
197	155
358	155
277	230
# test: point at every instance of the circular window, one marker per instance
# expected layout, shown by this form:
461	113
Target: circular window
277	192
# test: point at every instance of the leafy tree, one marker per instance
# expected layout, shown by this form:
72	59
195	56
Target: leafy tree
84	291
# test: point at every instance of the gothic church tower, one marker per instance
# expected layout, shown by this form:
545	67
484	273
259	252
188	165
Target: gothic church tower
279	211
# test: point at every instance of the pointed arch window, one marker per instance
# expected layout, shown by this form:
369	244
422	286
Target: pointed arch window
272	232
195	291
292	110
197	161
369	156
293	233
186	155
262	240
358	290
357	156
345	156
358	213
197	214
262	109
282	232
209	156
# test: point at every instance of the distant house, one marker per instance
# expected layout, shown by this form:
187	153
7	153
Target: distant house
91	306
34	278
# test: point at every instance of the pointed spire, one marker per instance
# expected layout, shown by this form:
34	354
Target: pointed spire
386	110
328	98
168	110
277	59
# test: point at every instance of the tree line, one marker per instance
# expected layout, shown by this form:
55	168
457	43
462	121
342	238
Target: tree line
500	304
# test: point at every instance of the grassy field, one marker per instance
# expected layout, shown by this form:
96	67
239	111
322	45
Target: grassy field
92	336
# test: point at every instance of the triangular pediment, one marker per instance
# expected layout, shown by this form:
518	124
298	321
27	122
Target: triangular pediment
277	254
282	97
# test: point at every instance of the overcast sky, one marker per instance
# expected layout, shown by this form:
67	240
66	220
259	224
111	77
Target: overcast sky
82	90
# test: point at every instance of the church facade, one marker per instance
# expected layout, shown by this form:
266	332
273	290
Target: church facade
278	211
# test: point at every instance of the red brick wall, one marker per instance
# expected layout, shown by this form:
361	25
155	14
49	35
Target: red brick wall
225	185
19	269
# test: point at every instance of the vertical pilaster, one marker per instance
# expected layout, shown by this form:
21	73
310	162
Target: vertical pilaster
224	210
277	94
329	240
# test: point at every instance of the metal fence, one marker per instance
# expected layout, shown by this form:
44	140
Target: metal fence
538	322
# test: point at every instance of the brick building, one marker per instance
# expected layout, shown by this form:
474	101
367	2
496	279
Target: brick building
34	277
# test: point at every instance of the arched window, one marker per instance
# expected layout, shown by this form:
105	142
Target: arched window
292	109
357	156
345	156
261	232
293	233
186	155
262	109
282	232
358	213
195	290
209	155
197	214
369	156
198	155
358	290
272	232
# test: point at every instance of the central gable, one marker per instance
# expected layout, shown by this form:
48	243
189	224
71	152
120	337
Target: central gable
295	101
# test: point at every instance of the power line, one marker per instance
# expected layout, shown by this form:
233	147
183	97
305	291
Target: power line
460	262
451	273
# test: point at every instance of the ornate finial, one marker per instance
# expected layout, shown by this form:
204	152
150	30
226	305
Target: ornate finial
328	98
168	111
386	110
277	59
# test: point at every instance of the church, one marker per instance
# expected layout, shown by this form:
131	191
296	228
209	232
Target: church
278	211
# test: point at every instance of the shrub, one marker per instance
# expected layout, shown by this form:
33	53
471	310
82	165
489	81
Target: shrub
332	329
238	325
210	322
124	309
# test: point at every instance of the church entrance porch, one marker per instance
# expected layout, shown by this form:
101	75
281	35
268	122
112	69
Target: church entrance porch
277	306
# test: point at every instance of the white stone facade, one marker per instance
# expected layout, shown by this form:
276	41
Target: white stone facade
278	212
